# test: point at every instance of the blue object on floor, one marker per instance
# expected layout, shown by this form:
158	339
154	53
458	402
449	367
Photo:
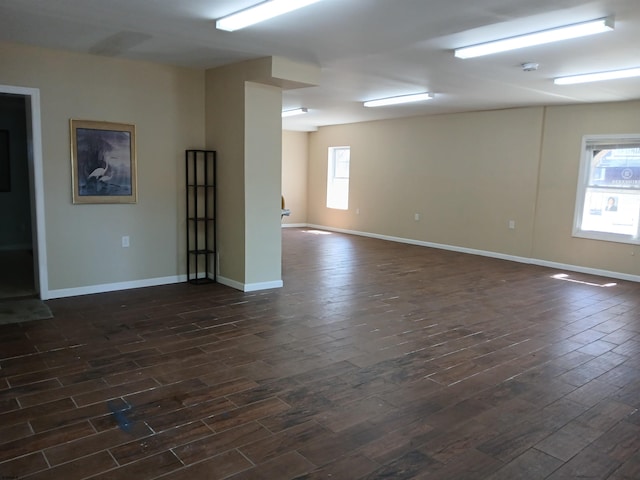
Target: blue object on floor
120	414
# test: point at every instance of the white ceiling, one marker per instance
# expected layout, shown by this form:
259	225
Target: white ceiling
366	48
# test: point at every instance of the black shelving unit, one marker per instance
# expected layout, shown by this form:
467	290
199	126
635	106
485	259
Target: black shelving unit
201	216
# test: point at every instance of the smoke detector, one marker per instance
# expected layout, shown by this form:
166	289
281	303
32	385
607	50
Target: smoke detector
530	67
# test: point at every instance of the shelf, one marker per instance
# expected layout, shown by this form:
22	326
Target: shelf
200	252
201	213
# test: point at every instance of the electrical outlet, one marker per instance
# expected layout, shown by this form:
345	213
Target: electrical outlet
416	216
512	224
125	241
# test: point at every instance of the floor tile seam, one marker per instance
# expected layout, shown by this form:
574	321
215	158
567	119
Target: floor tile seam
171	361
257	420
565	463
121	396
76	422
24	455
185	467
89	437
144	456
74	459
471	360
506	464
201	439
66	395
153	434
587	445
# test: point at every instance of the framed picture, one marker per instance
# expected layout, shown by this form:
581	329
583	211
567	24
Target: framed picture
103	162
5	162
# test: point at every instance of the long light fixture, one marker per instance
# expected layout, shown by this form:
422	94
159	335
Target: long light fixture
537	38
259	13
295	111
416	97
596	77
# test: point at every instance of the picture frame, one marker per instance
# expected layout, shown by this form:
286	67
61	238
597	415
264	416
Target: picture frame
5	162
103	162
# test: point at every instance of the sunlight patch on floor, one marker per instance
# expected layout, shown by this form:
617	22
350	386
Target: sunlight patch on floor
566	278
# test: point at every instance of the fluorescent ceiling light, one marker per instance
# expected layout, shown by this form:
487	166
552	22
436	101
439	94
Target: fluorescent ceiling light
596	77
416	97
537	38
295	111
259	13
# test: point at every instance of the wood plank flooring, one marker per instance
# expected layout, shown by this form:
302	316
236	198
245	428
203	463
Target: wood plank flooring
376	360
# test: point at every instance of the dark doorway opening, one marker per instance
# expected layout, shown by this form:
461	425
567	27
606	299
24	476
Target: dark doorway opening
16	240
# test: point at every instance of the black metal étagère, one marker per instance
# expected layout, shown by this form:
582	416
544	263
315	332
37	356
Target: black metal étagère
201	216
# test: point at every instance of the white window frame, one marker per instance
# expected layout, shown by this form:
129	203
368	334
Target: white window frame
337	186
591	218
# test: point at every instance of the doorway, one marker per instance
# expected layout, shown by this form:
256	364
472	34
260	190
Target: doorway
16	252
23	271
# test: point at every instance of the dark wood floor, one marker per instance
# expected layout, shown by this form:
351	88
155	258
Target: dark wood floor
376	360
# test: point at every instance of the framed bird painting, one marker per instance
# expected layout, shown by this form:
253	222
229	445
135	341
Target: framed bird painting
103	162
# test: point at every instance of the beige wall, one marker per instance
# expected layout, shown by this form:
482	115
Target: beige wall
224	107
295	153
564	129
467	175
166	105
243	123
263	184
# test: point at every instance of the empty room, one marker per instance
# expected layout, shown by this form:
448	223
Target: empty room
320	239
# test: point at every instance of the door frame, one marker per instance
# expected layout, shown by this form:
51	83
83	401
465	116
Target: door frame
36	185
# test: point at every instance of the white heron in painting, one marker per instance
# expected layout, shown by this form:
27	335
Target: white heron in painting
99	172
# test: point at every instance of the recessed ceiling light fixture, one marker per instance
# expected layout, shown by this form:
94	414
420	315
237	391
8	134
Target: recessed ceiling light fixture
259	13
596	77
295	111
416	97
537	38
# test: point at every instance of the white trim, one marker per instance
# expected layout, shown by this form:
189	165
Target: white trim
294	225
249	287
113	287
36	178
589	143
254	287
590	271
485	253
230	283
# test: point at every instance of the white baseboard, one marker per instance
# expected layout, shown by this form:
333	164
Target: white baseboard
484	253
252	287
230	283
294	225
249	287
112	287
154	282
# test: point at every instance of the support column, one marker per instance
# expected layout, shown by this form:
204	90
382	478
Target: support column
244	125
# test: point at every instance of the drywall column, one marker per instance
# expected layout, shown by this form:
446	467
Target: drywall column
262	186
244	125
224	132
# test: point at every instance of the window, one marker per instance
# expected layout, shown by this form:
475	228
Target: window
608	199
338	177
